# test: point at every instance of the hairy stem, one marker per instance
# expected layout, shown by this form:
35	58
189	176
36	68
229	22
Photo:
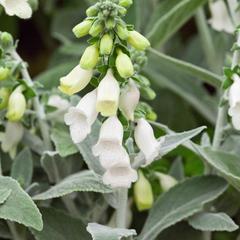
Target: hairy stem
122	207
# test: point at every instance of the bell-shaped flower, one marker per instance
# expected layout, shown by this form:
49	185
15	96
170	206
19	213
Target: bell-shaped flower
220	20
11	137
143	193
110	139
129	100
146	141
234	102
81	117
58	102
20	8
16	105
108	95
121	175
75	81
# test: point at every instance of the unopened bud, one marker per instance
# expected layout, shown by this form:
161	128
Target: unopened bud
82	29
16	105
4	73
4	96
143	193
6	40
96	28
125	3
90	57
92	11
148	93
151	116
122	11
166	181
124	65
110	23
122	32
106	44
138	41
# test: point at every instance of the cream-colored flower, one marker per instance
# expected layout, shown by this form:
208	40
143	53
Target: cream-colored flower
20	8
129	100
11	137
234	102
108	95
146	141
81	117
75	81
220	20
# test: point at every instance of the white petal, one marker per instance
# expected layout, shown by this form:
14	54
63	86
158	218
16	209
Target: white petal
234	92
79	131
111	136
220	20
58	102
120	177
129	100
13	135
146	141
108	95
20	8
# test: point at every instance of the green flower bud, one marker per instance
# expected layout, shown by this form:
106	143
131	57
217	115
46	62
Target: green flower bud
138	41
122	32
16	105
148	93
6	40
4	96
110	24
96	28
106	44
4	73
122	11
124	65
90	57
143	193
82	29
125	3
152	116
92	11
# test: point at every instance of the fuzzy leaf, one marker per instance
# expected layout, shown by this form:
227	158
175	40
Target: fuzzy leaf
100	232
181	202
19	207
212	222
4	194
85	181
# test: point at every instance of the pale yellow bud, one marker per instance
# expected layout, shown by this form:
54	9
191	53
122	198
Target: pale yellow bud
82	29
4	72
90	57
124	65
4	96
106	44
138	41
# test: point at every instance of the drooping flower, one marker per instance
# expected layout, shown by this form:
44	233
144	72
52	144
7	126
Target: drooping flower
143	193
220	20
11	137
129	100
146	141
234	102
75	81
108	95
20	8
81	117
58	102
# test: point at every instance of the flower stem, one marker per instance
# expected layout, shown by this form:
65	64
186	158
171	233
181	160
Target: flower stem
13	230
122	207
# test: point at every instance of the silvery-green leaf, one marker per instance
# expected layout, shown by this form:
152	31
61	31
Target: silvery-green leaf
181	202
60	226
100	232
22	168
228	165
4	194
19	207
212	222
177	169
85	181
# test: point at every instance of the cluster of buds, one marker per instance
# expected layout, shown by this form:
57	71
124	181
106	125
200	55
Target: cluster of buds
112	67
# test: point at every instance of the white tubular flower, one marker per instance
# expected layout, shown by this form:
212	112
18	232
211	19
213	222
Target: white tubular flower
81	117
110	139
220	20
75	81
59	103
120	175
108	95
129	100
234	102
146	141
20	8
12	136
